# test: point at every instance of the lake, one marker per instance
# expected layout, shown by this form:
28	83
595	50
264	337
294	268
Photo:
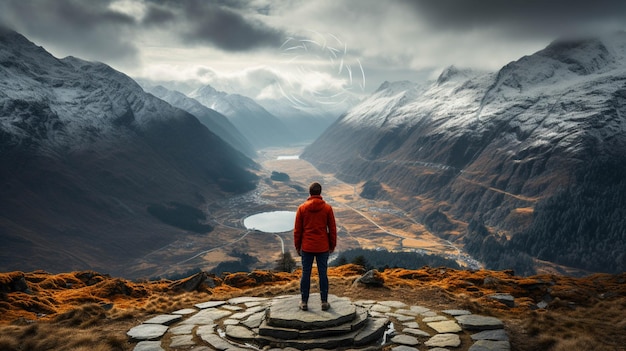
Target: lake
271	222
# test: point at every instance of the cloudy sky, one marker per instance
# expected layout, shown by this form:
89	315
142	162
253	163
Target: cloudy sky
355	44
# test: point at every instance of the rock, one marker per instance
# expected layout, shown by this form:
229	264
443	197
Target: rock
455	313
185	311
373	331
372	278
408	312
147	331
393	304
496	335
239	332
380	308
182	329
490	345
215	341
246	299
434	319
194	283
400	317
148	346
506	299
210	304
445	326
182	340
285	313
404	348
477	322
206	316
416	332
444	340
165	319
419	309
413	325
405	340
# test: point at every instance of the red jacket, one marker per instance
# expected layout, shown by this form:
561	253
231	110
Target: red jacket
315	230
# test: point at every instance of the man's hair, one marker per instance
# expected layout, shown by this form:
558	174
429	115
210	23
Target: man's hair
315	189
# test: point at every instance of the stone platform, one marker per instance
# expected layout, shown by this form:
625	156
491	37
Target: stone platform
278	324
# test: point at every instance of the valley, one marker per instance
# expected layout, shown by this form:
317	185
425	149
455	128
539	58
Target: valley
361	223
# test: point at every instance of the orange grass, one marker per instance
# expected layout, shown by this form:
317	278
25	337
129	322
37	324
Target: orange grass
92	311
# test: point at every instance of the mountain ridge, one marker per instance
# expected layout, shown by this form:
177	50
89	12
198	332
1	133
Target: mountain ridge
488	146
83	149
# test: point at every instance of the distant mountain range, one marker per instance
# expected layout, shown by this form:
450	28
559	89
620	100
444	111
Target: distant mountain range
215	121
260	127
521	164
94	171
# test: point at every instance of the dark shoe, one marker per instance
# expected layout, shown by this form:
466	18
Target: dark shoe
303	306
325	306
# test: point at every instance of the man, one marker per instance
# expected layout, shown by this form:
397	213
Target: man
315	237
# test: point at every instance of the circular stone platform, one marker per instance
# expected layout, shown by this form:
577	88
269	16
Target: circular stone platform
256	322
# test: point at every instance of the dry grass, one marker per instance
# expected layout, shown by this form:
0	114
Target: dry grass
89	311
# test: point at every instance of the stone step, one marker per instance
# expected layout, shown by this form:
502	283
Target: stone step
293	333
373	330
285	313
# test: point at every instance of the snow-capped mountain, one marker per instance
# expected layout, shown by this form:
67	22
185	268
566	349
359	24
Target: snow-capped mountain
259	126
85	153
499	148
215	121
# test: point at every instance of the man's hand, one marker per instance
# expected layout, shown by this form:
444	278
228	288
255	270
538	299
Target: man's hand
299	252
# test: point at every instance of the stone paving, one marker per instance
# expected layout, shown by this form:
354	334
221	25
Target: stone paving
248	323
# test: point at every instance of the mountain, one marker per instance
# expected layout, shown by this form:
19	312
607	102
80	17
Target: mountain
92	168
308	117
260	127
215	121
522	165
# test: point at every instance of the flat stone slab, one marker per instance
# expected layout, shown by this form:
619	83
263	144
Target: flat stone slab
455	313
416	332
210	304
182	329
147	331
490	345
405	340
246	300
185	311
182	340
444	340
207	316
291	333
165	319
240	333
148	346
394	304
373	330
286	313
445	326
495	335
477	322
506	299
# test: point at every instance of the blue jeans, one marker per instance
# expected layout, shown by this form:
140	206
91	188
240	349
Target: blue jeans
322	266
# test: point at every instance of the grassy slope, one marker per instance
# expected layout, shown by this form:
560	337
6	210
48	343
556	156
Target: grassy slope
90	311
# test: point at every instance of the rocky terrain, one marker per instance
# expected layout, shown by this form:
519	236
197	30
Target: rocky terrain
80	310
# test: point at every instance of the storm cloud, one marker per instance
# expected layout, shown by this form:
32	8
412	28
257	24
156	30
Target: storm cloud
396	39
